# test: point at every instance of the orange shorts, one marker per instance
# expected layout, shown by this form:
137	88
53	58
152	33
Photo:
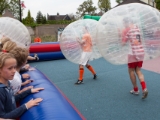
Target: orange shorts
135	64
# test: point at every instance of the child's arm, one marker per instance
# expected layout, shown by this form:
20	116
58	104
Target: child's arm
25	76
17	112
80	41
124	36
22	95
26	82
24	89
22	70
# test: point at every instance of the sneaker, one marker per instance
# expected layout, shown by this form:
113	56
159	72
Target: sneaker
36	57
134	92
95	76
79	82
145	93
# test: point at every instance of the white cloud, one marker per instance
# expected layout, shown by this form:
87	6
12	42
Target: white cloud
53	6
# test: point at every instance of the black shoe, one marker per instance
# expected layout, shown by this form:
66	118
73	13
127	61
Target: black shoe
36	57
95	76
79	82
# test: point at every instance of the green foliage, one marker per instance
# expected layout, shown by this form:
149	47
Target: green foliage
44	20
119	1
104	5
29	20
3	5
86	8
14	8
49	38
39	17
33	25
157	4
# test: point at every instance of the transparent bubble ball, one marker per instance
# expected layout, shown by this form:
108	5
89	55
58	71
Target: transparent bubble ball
15	30
129	33
69	44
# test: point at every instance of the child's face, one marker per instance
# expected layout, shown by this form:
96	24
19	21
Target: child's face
8	70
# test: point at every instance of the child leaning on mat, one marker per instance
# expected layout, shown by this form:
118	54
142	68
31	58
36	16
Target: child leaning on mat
8	100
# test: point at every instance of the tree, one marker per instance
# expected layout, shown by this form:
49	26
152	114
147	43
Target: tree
39	17
157	4
119	1
14	7
44	20
3	5
86	8
29	19
104	5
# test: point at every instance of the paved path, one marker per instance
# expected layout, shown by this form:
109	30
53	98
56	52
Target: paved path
152	65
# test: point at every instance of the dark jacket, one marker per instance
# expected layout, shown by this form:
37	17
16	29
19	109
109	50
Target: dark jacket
8	102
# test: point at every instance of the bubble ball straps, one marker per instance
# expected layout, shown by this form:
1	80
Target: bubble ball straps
113	23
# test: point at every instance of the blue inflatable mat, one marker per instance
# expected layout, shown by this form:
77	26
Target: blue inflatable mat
49	56
54	106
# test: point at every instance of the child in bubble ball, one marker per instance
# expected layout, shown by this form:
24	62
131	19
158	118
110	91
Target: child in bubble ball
131	34
86	45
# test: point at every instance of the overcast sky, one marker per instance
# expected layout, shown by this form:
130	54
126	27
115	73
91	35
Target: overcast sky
51	7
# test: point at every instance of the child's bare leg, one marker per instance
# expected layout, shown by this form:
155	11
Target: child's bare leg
30	58
133	80
132	77
139	74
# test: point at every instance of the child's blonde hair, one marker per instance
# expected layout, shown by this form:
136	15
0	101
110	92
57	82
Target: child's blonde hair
6	44
20	55
4	57
3	40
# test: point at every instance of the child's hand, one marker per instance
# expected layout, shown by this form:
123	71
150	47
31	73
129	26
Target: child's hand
34	102
27	66
30	69
26	82
36	90
25	76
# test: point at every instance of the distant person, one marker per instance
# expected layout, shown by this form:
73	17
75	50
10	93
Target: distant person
37	40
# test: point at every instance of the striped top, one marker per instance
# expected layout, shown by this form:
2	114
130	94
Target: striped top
132	34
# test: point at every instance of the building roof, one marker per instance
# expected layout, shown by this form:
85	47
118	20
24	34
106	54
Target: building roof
7	13
58	17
